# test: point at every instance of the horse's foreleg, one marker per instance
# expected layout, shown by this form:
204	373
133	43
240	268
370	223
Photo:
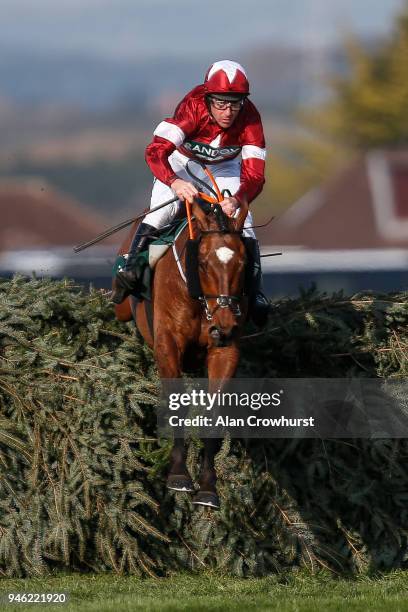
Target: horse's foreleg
222	364
168	355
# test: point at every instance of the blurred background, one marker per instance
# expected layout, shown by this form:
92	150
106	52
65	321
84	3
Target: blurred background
83	83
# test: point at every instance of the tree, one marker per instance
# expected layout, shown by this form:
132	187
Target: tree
369	106
368	109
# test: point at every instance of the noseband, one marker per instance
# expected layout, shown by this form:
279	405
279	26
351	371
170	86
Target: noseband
223	301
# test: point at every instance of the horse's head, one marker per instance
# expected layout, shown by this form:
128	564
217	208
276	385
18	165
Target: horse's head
221	263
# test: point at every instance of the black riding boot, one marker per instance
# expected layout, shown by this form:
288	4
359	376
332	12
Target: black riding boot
125	280
259	306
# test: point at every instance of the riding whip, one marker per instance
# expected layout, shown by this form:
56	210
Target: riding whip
116	228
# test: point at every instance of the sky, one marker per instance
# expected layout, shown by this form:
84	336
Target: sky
137	29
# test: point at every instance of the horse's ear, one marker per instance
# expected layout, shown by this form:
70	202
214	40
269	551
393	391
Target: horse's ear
201	217
239	220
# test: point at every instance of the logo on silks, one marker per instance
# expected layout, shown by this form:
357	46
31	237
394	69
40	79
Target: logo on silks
209	153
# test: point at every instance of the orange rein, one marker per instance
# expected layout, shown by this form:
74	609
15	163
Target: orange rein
205	197
214	183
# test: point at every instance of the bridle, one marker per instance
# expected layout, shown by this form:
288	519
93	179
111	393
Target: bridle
213	207
222	300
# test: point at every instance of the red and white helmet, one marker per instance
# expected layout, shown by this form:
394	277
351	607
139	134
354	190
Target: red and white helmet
226	77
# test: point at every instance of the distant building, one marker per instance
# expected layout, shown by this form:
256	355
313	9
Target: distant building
364	207
35	215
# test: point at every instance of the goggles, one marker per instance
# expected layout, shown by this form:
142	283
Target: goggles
224	104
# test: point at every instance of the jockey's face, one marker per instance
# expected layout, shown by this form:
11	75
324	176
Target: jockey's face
225	118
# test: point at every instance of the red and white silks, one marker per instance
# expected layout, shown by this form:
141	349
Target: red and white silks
236	156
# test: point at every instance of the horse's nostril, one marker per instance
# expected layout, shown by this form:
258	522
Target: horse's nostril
214	332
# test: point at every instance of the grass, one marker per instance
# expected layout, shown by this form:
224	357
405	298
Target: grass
293	592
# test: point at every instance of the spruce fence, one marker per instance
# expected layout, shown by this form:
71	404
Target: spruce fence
82	475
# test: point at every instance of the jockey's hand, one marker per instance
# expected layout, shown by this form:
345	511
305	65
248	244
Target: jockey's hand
229	206
184	190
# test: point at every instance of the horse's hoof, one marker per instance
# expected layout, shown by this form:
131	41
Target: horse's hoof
207	498
180	483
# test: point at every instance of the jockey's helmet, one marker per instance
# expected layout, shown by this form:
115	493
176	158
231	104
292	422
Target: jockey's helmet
227	79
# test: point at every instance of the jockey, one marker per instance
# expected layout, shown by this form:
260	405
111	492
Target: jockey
215	124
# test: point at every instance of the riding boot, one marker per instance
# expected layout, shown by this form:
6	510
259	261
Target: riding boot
259	306
125	280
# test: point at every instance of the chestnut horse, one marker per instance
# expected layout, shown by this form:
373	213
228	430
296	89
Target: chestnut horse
184	327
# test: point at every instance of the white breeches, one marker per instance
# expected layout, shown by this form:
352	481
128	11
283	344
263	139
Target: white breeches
226	174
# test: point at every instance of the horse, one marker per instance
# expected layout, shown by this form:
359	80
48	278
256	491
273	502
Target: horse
208	329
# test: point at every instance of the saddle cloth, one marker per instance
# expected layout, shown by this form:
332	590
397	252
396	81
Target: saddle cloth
146	260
